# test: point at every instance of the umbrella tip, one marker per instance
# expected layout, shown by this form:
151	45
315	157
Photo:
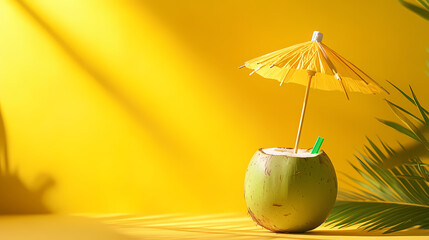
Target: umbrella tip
317	36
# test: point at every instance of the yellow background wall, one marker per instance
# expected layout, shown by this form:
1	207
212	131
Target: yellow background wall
138	106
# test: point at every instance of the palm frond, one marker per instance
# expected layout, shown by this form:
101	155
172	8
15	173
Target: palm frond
379	215
422	11
408	123
407	112
404	94
395	188
418	132
398	127
421	109
394	192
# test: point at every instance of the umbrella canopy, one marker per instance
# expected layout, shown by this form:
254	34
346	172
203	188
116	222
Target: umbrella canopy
315	65
332	71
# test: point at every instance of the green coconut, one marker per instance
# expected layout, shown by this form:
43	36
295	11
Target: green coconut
287	192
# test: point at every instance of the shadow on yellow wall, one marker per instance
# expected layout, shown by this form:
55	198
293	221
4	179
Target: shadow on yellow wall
106	82
15	196
137	106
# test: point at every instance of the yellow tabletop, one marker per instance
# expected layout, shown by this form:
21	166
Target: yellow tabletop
168	226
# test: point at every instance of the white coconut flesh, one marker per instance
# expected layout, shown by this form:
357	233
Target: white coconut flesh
302	153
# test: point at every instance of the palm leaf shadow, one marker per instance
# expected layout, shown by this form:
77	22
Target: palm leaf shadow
15	196
161	136
165	139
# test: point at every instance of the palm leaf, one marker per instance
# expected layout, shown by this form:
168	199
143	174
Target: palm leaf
425	3
407	112
398	127
418	133
421	109
404	94
422	12
395	189
410	125
395	197
389	199
394	194
379	215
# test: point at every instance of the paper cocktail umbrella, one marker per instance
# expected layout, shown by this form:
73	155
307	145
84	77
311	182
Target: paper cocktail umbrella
314	65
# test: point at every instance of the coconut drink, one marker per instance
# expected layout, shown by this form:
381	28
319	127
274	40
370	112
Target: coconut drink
290	192
293	190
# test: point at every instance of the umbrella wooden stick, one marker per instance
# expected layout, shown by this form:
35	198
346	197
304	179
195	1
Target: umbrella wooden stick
304	105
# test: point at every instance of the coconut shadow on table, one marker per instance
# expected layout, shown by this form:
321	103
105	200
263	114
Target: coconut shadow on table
15	196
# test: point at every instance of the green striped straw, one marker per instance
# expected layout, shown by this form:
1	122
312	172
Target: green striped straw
317	145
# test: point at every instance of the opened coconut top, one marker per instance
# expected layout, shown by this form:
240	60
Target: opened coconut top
289	152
